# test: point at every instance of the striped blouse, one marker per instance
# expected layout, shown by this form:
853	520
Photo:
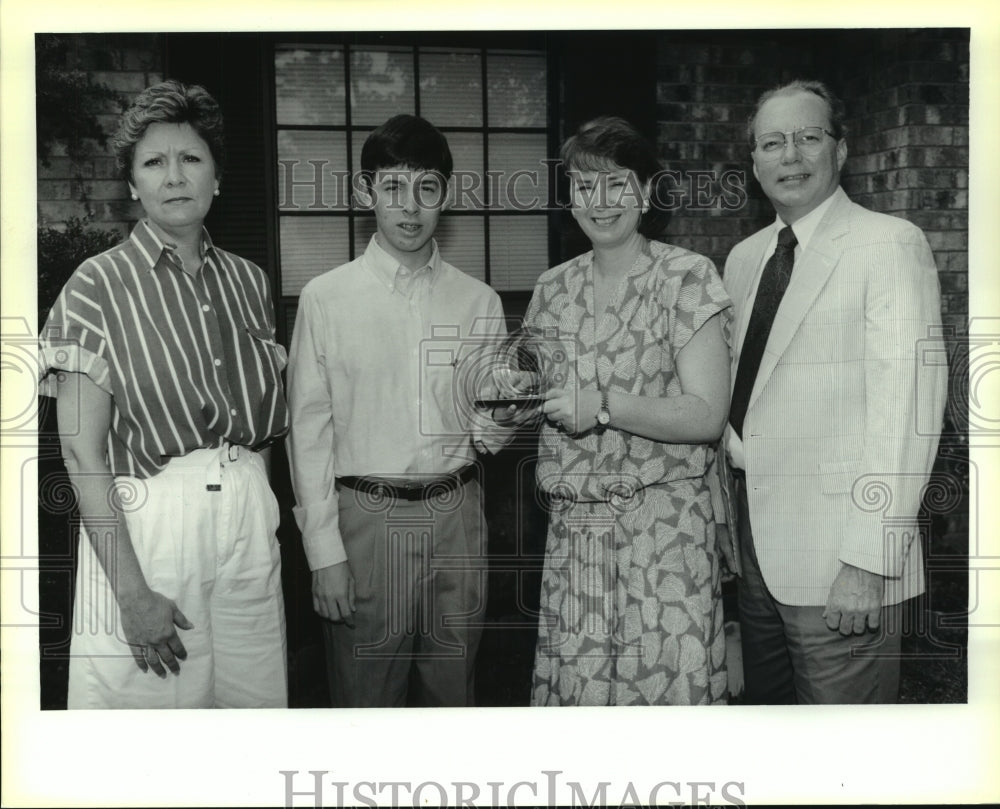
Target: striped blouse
189	360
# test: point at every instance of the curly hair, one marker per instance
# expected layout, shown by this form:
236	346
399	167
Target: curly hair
170	102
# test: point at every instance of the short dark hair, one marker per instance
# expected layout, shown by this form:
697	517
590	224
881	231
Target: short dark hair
170	102
818	88
609	141
406	140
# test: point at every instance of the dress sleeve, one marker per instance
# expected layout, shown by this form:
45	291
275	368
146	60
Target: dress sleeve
700	295
74	337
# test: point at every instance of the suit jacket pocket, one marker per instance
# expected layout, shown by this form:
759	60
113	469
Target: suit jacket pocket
837	477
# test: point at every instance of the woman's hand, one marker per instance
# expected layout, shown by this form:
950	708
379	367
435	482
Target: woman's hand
149	622
574	411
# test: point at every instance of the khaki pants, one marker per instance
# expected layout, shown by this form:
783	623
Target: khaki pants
420	573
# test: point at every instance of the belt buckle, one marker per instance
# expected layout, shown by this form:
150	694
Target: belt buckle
233	452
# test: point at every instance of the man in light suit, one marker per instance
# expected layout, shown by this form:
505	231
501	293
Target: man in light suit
835	308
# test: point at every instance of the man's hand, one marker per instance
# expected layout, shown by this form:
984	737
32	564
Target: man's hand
855	595
575	411
148	621
333	593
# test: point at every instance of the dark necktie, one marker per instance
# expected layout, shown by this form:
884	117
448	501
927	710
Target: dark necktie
773	282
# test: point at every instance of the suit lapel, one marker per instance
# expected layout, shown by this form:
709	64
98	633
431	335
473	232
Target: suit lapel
811	273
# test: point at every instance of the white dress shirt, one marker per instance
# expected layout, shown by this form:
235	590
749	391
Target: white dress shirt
385	363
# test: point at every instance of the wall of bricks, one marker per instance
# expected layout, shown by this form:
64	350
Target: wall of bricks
907	94
90	188
911	144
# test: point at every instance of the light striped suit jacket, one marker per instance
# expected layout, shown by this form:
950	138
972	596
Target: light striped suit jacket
844	419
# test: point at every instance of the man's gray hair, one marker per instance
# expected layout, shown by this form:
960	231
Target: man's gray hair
835	105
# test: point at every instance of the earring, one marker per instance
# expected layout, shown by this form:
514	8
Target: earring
135	198
215	192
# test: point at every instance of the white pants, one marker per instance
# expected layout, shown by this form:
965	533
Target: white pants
203	530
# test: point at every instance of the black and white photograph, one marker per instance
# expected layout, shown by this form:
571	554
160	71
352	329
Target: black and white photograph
398	374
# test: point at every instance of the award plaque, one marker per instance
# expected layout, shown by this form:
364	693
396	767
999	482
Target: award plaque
526	364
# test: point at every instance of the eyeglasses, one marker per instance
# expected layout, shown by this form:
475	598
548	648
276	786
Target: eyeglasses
808	140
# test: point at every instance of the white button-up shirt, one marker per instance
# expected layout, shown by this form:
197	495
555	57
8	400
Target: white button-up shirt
385	363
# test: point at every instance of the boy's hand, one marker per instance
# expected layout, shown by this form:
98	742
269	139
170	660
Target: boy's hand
333	593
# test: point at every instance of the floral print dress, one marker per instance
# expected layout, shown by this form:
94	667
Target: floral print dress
631	612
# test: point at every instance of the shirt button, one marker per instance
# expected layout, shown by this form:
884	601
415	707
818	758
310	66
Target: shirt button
205	307
218	362
233	411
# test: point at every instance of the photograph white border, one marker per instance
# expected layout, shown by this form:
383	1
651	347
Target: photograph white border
894	754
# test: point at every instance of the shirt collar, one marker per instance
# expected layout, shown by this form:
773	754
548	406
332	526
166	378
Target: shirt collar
805	227
152	247
387	269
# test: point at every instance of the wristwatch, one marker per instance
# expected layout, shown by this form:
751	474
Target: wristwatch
604	415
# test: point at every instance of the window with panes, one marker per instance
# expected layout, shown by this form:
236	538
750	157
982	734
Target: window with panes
491	103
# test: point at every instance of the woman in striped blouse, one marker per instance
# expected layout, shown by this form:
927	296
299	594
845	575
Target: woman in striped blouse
161	354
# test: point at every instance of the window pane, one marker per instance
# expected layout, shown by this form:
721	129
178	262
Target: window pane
519	251
381	84
460	240
289	310
451	88
517	89
322	184
309	85
364	229
309	247
524	182
358	139
468	186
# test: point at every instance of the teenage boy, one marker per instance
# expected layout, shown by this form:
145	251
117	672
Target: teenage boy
384	437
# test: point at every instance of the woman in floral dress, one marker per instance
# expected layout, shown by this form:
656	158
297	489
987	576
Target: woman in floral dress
631	612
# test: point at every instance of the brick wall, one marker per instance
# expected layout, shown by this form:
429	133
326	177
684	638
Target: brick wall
911	144
907	96
127	63
907	99
707	86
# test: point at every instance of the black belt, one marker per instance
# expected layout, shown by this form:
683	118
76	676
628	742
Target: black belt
409	490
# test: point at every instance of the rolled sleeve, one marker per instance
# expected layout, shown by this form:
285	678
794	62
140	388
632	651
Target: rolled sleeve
74	337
